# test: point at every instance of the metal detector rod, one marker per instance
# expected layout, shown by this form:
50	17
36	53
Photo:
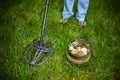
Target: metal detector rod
44	19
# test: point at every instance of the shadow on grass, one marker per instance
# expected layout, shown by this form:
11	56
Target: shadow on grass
5	5
114	9
117	66
6	37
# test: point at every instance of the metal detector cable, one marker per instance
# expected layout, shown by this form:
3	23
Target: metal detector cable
41	11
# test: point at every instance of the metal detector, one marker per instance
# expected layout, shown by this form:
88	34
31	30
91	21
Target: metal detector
40	51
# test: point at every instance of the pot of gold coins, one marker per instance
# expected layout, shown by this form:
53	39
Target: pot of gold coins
78	51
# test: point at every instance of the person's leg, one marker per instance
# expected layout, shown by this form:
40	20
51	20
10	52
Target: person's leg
67	9
82	10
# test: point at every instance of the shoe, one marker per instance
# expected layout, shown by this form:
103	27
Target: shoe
63	20
82	23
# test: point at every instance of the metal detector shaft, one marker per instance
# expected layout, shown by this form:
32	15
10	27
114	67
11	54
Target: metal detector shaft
44	20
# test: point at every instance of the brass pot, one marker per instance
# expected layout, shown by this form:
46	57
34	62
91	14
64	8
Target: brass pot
74	51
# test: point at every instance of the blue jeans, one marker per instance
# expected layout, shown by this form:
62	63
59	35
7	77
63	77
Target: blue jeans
82	9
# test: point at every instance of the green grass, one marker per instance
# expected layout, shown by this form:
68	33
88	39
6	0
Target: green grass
20	24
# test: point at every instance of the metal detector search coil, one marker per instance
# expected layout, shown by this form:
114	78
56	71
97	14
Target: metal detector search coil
41	53
78	51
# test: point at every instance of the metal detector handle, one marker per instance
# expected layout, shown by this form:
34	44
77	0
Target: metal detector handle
45	16
48	1
44	22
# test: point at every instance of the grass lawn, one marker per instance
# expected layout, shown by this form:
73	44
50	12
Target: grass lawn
20	24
